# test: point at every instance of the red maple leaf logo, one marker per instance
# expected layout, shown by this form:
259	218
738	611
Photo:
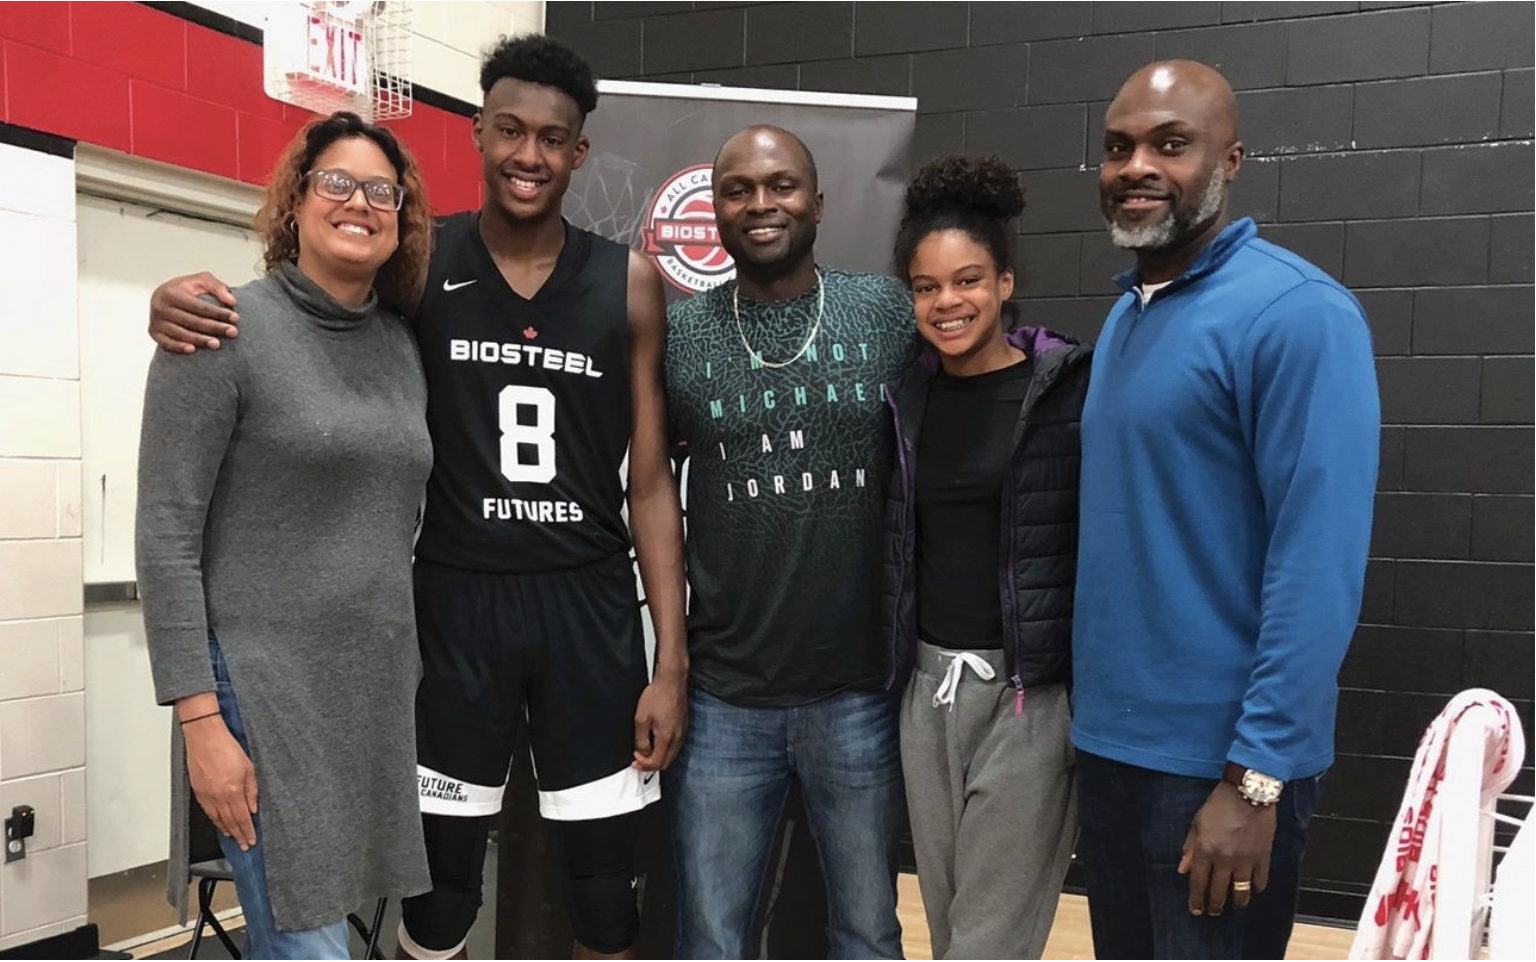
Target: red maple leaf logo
530	332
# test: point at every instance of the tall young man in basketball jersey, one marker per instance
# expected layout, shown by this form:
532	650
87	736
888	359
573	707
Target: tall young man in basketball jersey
776	381
543	348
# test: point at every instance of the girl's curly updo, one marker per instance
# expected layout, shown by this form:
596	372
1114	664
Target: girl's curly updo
971	194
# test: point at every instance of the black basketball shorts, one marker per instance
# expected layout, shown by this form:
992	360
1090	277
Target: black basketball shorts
563	650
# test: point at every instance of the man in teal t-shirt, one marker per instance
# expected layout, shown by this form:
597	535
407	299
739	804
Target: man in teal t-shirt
775	382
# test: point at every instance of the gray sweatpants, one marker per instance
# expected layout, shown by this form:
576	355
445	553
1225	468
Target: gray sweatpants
992	803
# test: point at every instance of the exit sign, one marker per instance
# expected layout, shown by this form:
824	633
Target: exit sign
335	54
330	55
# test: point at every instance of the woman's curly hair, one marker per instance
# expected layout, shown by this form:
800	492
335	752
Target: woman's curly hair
970	194
399	282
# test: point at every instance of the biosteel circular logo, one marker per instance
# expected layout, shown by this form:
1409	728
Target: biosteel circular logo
680	232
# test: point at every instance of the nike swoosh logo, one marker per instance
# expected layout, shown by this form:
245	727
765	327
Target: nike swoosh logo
450	286
647	779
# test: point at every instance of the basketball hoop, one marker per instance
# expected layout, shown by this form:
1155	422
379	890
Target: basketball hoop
329	56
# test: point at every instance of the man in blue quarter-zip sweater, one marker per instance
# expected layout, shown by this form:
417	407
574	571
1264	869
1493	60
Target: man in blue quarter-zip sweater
1230	443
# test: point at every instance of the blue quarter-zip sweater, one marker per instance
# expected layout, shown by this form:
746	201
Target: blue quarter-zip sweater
1230	445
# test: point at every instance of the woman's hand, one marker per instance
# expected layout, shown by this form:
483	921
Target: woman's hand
223	778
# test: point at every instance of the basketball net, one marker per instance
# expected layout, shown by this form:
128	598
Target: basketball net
330	56
602	198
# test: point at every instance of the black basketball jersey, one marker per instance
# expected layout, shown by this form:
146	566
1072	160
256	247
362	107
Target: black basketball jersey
528	403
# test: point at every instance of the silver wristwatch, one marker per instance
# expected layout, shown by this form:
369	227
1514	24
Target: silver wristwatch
1256	788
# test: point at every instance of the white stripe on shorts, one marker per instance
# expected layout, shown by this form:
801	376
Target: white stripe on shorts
627	790
444	795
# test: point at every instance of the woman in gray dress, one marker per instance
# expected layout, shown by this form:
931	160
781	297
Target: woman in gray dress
279	483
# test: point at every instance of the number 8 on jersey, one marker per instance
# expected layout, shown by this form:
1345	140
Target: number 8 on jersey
516	435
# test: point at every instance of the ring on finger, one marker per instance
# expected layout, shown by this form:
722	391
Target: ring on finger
1242	886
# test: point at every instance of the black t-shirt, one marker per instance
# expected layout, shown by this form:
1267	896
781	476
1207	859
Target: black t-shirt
962	459
786	484
528	402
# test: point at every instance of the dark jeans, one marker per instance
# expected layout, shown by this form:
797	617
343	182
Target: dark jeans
1133	826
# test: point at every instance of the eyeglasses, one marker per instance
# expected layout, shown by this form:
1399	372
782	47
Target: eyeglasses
340	185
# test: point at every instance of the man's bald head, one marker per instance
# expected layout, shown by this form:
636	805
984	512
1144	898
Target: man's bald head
765	139
1187	89
767	206
1170	153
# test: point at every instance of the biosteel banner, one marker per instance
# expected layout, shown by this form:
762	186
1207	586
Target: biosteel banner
646	181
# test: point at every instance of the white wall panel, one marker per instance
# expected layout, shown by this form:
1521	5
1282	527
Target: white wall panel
125	250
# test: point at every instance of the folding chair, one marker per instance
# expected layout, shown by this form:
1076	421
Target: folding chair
1511	934
209	868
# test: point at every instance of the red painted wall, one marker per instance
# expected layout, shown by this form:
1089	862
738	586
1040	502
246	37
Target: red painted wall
124	76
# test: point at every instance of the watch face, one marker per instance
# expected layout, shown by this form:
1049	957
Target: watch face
1261	789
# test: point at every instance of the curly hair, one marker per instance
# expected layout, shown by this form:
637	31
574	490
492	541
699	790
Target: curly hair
540	60
399	281
970	194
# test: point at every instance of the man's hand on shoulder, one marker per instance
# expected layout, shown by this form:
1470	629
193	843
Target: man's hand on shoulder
1227	851
181	320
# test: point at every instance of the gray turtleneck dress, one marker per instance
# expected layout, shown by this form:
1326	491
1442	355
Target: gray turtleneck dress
279	483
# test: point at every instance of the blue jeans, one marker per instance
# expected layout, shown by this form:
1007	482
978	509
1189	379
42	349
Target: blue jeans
1134	822
262	938
728	787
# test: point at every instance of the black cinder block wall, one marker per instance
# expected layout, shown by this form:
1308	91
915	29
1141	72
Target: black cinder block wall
1390	143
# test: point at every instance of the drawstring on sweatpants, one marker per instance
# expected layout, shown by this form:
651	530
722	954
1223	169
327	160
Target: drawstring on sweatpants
950	686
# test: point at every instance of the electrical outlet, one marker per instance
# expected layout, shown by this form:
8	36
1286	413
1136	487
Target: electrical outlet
18	828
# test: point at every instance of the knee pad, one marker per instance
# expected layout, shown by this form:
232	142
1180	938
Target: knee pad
604	914
438	921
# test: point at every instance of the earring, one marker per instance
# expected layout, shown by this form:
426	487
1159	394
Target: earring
293	225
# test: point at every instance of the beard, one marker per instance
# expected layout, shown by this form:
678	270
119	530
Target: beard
1167	233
